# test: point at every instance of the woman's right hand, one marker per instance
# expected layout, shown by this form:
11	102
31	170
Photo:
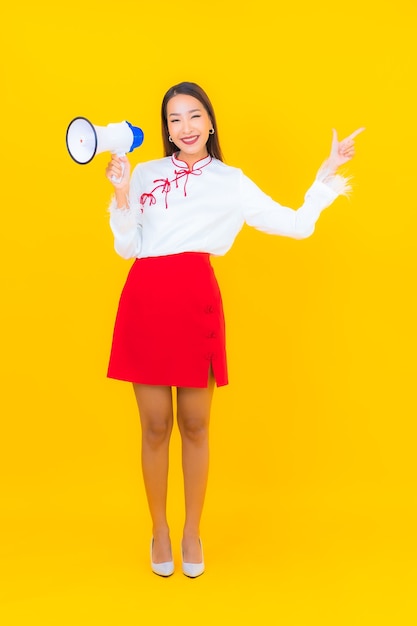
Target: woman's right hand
118	171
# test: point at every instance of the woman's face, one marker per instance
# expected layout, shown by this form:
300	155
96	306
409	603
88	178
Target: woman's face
188	126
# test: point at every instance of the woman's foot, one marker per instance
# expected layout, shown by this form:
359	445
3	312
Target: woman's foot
162	562
192	557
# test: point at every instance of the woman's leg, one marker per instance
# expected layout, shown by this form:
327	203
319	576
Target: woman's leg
193	411
156	416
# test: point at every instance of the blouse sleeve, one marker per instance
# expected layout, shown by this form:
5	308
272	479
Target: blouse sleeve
126	223
267	215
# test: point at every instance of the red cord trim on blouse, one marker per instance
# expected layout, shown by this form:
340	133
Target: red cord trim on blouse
165	187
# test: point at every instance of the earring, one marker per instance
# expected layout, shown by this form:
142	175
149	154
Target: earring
170	139
211	131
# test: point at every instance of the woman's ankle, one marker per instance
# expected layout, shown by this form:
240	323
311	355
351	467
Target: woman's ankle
161	533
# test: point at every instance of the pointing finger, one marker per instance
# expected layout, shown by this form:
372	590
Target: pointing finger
356	132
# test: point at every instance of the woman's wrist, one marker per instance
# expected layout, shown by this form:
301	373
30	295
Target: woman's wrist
329	167
121	197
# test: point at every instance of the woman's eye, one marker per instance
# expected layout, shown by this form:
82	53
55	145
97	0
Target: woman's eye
196	116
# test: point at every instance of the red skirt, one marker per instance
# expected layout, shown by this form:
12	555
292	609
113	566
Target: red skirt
169	327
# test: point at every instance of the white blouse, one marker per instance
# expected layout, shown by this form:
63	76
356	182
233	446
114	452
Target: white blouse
173	209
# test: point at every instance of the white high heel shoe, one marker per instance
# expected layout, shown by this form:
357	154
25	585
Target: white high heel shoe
161	569
193	570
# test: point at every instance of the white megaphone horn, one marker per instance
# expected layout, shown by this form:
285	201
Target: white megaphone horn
85	140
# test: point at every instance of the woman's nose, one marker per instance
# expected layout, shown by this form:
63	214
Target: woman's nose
187	126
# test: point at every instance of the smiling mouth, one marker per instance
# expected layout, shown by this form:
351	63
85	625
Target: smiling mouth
189	140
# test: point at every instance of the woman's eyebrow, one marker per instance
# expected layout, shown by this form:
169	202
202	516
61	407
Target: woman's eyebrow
191	111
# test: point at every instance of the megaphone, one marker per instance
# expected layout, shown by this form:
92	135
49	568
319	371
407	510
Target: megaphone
85	140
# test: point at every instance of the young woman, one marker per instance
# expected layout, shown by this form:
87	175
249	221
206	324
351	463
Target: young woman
170	215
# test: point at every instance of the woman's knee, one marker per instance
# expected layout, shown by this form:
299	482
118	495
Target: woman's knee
156	428
194	428
193	413
155	411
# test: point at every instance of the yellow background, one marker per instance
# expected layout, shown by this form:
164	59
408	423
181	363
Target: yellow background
311	510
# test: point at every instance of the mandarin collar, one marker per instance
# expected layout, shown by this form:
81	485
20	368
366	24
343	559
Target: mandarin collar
196	166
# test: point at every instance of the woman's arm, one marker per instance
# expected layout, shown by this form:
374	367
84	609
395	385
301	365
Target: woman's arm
125	215
267	215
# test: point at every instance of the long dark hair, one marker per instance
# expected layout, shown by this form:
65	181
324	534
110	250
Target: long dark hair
190	89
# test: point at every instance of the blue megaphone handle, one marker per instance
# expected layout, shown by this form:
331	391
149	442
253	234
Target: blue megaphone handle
137	136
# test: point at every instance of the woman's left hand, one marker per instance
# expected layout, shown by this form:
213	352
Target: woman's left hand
342	151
